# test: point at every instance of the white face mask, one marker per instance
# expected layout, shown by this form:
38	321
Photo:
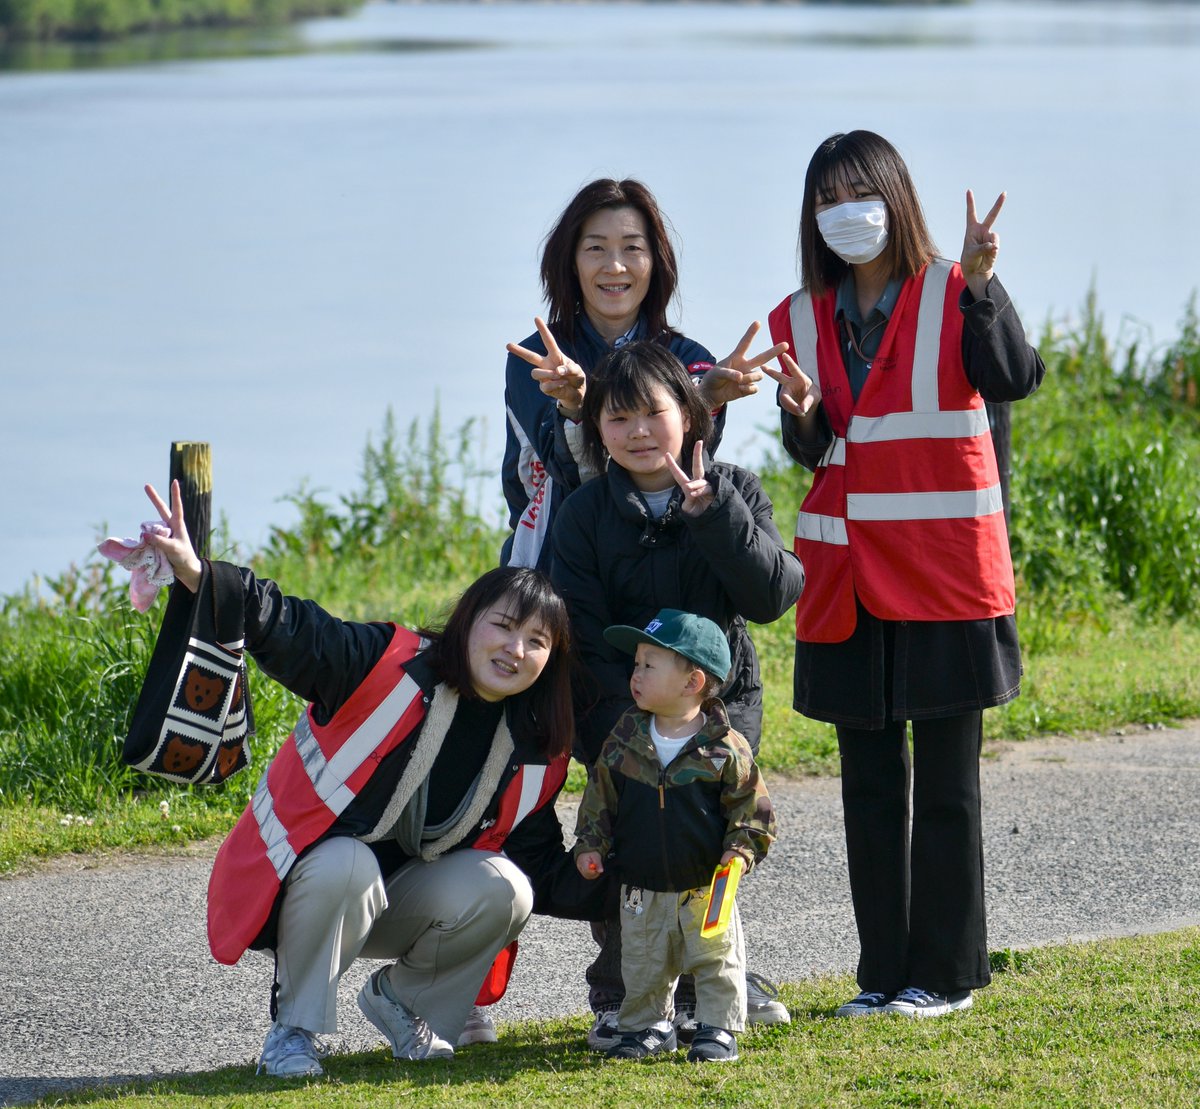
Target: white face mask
855	231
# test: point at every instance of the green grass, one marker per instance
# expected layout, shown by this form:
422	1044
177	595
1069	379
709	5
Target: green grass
1111	1023
22	20
1106	544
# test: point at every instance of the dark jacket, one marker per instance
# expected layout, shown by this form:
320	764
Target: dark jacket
615	564
912	670
530	424
669	825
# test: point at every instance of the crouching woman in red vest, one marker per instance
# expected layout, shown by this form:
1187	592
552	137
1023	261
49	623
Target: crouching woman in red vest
907	612
408	817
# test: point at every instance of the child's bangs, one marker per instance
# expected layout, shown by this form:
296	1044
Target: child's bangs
633	387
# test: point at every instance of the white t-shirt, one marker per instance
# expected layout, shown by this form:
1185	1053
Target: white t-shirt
667	748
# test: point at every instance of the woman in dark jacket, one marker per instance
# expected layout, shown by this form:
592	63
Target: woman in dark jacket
609	275
410	815
663	527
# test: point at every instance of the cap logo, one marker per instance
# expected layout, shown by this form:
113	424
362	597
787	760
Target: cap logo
653	626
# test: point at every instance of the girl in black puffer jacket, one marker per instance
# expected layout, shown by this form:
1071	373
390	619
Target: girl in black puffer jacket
662	527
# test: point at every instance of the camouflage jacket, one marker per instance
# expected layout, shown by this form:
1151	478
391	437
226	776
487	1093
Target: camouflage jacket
667	827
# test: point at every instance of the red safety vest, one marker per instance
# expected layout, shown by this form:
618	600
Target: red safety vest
905	510
316	774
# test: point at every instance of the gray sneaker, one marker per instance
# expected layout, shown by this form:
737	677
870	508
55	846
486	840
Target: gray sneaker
479	1029
603	1033
410	1037
762	1001
290	1053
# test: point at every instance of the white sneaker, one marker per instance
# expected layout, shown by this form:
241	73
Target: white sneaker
290	1053
479	1029
410	1037
915	1002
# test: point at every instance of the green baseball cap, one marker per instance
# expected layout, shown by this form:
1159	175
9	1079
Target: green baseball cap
697	638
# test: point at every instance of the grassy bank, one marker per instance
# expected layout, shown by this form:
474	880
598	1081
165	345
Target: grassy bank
25	20
1109	1023
1106	541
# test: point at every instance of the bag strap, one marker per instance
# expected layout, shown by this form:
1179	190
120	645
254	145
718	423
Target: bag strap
226	590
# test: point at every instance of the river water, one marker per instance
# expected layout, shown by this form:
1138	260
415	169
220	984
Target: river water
267	248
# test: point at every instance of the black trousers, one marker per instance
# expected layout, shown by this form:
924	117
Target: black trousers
918	898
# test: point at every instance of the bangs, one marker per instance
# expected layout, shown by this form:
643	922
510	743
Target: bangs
846	166
528	599
631	390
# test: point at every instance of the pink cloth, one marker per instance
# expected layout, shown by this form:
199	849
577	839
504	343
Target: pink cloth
149	567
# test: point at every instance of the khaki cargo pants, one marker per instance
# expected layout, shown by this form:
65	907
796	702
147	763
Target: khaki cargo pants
662	941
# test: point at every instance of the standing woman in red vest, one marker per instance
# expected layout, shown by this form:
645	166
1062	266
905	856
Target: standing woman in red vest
410	815
907	612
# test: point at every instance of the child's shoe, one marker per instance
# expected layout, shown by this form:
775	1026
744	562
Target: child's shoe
654	1040
713	1045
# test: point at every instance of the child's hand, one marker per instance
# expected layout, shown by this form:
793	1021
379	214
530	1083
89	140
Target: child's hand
698	494
729	856
590	864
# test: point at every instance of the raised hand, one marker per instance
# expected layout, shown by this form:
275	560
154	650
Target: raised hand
697	493
556	374
737	375
980	246
799	394
176	547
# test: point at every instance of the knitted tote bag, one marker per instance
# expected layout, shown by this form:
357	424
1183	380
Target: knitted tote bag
193	719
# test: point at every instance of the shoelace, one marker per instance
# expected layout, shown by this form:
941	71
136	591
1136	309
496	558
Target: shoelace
913	993
873	998
297	1041
765	987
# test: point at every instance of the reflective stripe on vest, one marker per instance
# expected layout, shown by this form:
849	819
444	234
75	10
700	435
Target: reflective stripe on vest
533	785
329	775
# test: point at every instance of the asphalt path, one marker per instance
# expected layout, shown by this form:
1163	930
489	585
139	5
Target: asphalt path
105	972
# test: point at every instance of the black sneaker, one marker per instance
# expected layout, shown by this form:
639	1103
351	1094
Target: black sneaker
643	1044
915	1002
866	1004
713	1045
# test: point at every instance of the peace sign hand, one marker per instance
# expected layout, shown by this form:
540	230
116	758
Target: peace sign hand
557	375
176	547
737	375
980	246
697	493
798	393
